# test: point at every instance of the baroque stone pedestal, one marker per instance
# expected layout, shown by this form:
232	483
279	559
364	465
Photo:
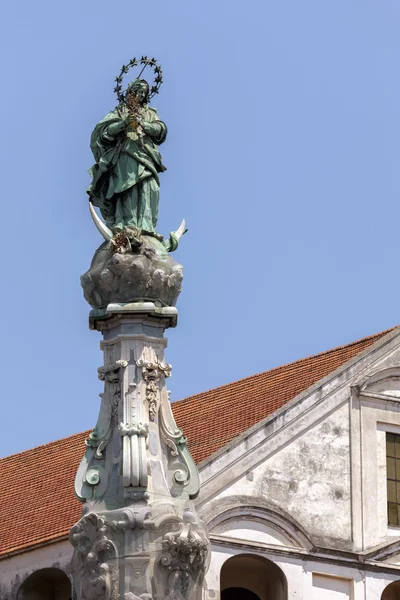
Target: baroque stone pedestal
139	535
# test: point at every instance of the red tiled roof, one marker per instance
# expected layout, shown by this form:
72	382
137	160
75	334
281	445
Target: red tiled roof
37	502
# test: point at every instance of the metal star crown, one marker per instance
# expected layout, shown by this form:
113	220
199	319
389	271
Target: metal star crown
143	62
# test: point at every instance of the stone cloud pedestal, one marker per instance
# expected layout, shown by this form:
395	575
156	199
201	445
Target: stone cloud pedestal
139	535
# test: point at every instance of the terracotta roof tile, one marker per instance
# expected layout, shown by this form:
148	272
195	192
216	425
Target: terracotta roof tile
229	410
37	502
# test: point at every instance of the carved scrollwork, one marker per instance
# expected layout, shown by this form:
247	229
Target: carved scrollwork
111	374
90	474
93	476
152	373
185	555
99	437
95	562
171	444
185	474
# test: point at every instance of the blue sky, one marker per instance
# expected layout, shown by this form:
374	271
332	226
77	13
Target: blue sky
283	156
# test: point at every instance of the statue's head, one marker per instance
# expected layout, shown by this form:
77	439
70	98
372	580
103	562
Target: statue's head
140	88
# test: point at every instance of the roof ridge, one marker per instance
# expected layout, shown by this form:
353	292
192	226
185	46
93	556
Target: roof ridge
285	365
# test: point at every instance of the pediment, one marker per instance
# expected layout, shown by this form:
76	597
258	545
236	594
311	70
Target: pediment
375	373
254	528
384	384
253	519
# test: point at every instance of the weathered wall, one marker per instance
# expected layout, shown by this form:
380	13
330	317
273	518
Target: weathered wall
15	570
309	478
321	458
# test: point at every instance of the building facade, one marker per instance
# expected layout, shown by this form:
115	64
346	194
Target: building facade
300	471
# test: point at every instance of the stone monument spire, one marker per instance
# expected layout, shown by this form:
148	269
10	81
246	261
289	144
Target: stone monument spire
139	535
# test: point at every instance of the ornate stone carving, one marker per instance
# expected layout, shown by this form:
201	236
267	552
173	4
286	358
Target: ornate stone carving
133	518
111	374
140	429
148	274
95	562
184	558
182	473
99	437
151	373
92	479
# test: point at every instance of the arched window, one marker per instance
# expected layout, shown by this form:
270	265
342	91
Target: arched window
248	577
46	584
392	592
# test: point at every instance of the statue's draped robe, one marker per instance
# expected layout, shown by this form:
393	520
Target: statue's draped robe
125	183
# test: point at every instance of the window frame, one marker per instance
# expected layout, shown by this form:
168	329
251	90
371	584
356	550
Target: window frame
393	478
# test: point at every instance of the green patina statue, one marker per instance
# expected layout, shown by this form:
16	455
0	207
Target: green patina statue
133	264
126	184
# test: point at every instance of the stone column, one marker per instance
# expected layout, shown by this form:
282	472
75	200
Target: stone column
139	535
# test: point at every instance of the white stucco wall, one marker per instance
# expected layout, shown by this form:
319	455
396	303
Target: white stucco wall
14	570
307	579
309	478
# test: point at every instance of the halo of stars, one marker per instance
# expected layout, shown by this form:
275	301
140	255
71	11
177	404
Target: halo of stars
144	61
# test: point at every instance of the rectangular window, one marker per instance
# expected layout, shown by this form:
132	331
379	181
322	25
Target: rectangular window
393	478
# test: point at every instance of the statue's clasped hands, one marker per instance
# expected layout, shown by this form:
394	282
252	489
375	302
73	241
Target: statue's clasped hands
133	121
